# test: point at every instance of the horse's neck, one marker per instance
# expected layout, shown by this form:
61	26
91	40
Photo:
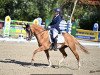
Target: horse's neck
38	29
40	34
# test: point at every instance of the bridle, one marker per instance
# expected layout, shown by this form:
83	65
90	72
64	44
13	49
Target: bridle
29	32
40	32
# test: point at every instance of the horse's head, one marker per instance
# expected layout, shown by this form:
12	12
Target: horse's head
33	30
28	31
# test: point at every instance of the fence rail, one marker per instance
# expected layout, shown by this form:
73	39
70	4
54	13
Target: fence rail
88	34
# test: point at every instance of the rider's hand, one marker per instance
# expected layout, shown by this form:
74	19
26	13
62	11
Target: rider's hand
48	28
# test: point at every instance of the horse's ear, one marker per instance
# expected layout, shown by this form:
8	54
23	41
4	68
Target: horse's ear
25	25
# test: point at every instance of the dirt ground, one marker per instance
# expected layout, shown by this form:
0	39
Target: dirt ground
15	59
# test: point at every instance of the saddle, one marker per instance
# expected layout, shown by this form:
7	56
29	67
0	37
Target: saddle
59	39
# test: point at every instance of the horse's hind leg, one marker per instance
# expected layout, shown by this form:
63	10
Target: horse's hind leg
73	49
62	50
48	57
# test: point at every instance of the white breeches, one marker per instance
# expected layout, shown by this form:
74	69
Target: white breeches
55	32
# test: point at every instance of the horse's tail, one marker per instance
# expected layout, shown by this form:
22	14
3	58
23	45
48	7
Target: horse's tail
82	47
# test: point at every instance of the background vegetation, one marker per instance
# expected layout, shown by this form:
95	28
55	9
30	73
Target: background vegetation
27	10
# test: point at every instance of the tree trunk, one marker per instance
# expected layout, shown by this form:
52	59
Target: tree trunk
73	10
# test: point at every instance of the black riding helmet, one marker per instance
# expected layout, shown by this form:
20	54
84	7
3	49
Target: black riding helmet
57	10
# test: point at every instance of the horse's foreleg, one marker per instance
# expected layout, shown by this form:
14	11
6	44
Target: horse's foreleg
48	57
41	48
62	50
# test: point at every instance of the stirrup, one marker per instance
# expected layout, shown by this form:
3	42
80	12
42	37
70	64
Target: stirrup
51	47
55	47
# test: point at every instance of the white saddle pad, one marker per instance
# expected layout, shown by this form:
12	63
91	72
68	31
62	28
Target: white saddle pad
60	38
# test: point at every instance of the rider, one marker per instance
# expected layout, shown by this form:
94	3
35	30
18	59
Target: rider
55	27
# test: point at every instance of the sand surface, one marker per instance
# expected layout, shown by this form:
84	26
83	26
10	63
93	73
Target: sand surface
15	58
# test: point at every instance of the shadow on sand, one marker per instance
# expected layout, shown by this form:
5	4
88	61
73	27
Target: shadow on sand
28	64
13	61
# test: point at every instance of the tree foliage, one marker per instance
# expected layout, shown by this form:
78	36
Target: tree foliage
26	9
31	9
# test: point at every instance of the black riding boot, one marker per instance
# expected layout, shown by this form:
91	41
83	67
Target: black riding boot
55	44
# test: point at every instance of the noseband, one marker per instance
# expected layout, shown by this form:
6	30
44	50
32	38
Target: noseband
30	34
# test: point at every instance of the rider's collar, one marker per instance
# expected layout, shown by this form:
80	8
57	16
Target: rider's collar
56	15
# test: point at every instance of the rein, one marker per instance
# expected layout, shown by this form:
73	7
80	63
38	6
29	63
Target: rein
40	32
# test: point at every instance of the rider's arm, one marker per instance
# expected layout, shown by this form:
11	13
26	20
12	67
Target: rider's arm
56	21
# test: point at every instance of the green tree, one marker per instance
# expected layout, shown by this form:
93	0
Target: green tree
31	9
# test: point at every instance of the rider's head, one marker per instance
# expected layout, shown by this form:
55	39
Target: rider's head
57	11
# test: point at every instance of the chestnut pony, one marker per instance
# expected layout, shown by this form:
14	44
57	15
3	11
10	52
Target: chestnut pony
42	36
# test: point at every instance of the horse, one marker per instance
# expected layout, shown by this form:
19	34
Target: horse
43	39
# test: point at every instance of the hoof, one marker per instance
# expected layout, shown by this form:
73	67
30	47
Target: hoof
49	66
54	66
57	67
32	63
79	65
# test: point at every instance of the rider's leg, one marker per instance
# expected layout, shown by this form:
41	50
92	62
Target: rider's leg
52	39
55	44
55	34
